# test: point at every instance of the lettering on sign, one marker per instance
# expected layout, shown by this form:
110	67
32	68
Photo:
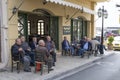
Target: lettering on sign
66	30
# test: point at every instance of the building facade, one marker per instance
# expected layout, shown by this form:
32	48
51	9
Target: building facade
57	18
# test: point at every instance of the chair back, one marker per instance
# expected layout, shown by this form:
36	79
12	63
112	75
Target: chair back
15	57
39	56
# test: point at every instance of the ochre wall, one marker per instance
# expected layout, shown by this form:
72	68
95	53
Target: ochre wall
13	23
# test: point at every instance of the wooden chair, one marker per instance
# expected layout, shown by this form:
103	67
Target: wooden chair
39	60
15	60
65	52
88	53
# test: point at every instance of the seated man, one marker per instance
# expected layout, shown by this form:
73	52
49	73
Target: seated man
74	46
86	47
33	44
83	41
27	49
42	50
66	46
50	45
17	49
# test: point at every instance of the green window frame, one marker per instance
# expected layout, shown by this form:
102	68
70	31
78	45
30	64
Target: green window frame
54	30
78	28
22	25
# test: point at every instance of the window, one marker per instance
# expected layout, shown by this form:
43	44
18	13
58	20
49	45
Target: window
40	28
22	24
29	25
78	28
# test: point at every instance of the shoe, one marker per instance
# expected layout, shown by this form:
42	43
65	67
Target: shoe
53	64
82	56
51	69
28	70
101	54
32	64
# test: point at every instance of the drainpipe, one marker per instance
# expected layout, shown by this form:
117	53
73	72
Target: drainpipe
4	36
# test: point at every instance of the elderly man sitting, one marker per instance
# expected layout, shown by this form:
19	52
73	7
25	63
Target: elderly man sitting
86	47
27	49
16	50
65	44
43	51
50	45
67	47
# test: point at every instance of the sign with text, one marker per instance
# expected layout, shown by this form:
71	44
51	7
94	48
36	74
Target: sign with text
66	30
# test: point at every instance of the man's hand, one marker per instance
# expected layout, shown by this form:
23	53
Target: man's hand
20	49
51	50
29	49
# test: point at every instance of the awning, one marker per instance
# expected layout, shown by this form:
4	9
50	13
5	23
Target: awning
99	0
69	4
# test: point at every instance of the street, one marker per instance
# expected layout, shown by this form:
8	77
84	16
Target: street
105	69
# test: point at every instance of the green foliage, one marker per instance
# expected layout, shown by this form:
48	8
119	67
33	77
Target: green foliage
110	39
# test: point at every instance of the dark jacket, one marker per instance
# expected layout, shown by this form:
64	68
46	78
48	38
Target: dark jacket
50	45
82	42
32	45
64	44
41	53
15	51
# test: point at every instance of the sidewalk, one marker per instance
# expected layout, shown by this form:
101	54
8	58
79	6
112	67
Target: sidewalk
64	64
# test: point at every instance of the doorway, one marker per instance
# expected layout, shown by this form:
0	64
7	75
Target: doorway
39	25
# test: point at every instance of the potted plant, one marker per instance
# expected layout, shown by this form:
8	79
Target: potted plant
110	40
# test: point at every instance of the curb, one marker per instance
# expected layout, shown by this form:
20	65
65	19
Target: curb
76	69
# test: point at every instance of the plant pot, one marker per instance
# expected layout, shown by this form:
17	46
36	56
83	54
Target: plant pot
110	47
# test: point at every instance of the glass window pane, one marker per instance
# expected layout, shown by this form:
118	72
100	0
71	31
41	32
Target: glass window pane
29	24
41	27
78	29
40	20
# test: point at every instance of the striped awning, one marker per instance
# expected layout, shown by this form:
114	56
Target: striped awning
69	4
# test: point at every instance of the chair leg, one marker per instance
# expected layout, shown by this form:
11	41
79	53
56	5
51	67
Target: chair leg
41	69
88	55
96	52
12	67
49	66
18	67
35	67
65	52
70	52
48	69
62	52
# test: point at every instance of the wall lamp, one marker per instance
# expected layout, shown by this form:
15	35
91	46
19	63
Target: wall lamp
44	2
